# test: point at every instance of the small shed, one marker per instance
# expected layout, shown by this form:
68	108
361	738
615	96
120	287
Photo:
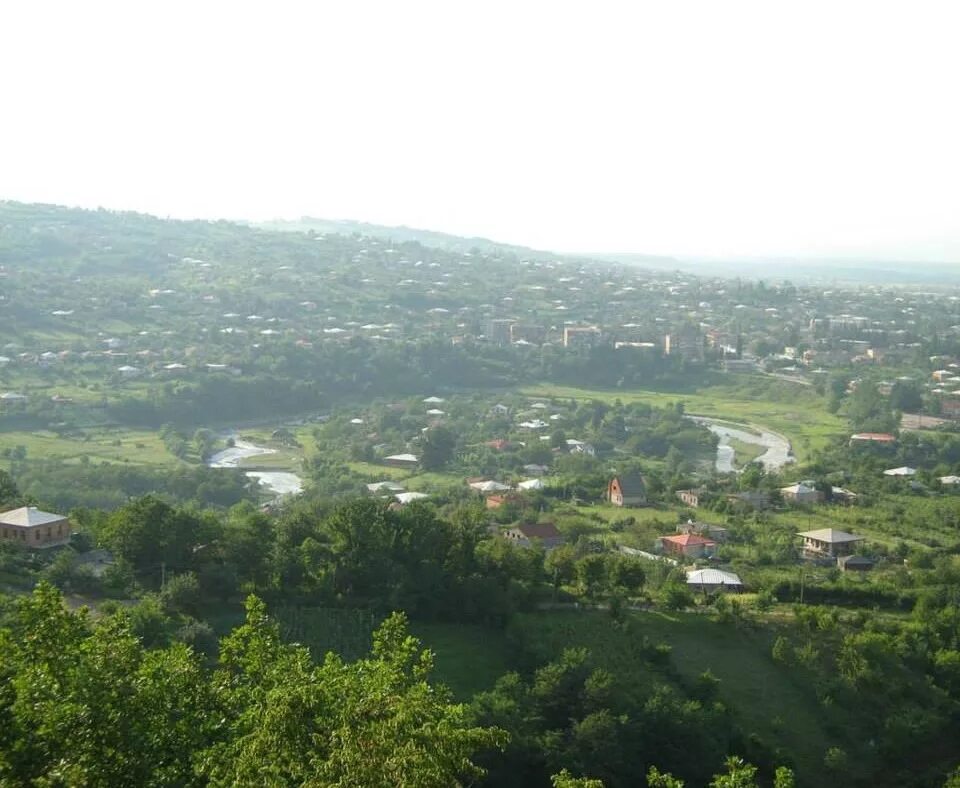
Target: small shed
854	563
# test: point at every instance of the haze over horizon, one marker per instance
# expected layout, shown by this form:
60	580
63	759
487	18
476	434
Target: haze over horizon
736	130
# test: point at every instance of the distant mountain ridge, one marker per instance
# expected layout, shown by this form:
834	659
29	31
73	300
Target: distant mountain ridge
447	241
453	243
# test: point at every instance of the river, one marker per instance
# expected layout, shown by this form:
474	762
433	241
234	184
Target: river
777	454
278	482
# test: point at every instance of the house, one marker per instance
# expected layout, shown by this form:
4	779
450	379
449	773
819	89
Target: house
801	492
534	469
579	447
842	495
531	484
828	543
409	497
627	490
489	486
755	499
707	580
949	481
687	545
903	470
385	486
872	439
501	499
30	527
528	534
854	563
716	532
581	336
690	498
950	407
409	461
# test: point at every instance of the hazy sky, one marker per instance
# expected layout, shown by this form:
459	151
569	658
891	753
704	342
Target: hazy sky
716	128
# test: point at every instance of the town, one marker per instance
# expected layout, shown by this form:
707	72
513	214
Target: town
706	482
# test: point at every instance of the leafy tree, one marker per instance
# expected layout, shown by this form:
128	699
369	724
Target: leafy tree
85	704
181	594
148	532
8	489
740	774
591	573
566	780
437	448
657	779
375	722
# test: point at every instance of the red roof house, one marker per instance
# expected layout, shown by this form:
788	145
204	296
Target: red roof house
688	545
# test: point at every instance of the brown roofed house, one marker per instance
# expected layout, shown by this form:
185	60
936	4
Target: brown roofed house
528	534
628	489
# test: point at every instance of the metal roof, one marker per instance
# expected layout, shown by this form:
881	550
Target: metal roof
831	535
29	516
712	577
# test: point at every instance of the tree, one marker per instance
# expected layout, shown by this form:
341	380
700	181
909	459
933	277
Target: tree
374	722
675	596
149	532
625	572
740	774
8	489
566	780
591	573
657	779
181	594
437	449
85	704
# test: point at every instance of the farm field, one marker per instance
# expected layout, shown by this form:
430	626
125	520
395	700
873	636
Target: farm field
109	444
802	418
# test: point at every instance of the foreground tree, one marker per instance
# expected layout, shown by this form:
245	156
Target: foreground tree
375	722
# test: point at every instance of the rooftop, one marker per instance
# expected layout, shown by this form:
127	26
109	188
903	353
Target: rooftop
688	539
713	577
29	516
831	536
538	530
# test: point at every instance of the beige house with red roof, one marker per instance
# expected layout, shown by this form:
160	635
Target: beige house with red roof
688	545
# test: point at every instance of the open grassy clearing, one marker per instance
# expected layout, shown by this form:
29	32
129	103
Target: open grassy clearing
111	444
802	419
745	453
468	658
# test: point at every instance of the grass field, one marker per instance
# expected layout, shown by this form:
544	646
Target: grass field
745	453
468	659
800	416
112	444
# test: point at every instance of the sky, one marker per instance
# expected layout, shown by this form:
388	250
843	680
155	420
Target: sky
701	129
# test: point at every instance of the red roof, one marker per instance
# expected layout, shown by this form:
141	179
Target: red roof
685	540
879	437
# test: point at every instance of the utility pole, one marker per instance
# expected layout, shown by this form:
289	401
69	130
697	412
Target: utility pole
163	574
801	585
